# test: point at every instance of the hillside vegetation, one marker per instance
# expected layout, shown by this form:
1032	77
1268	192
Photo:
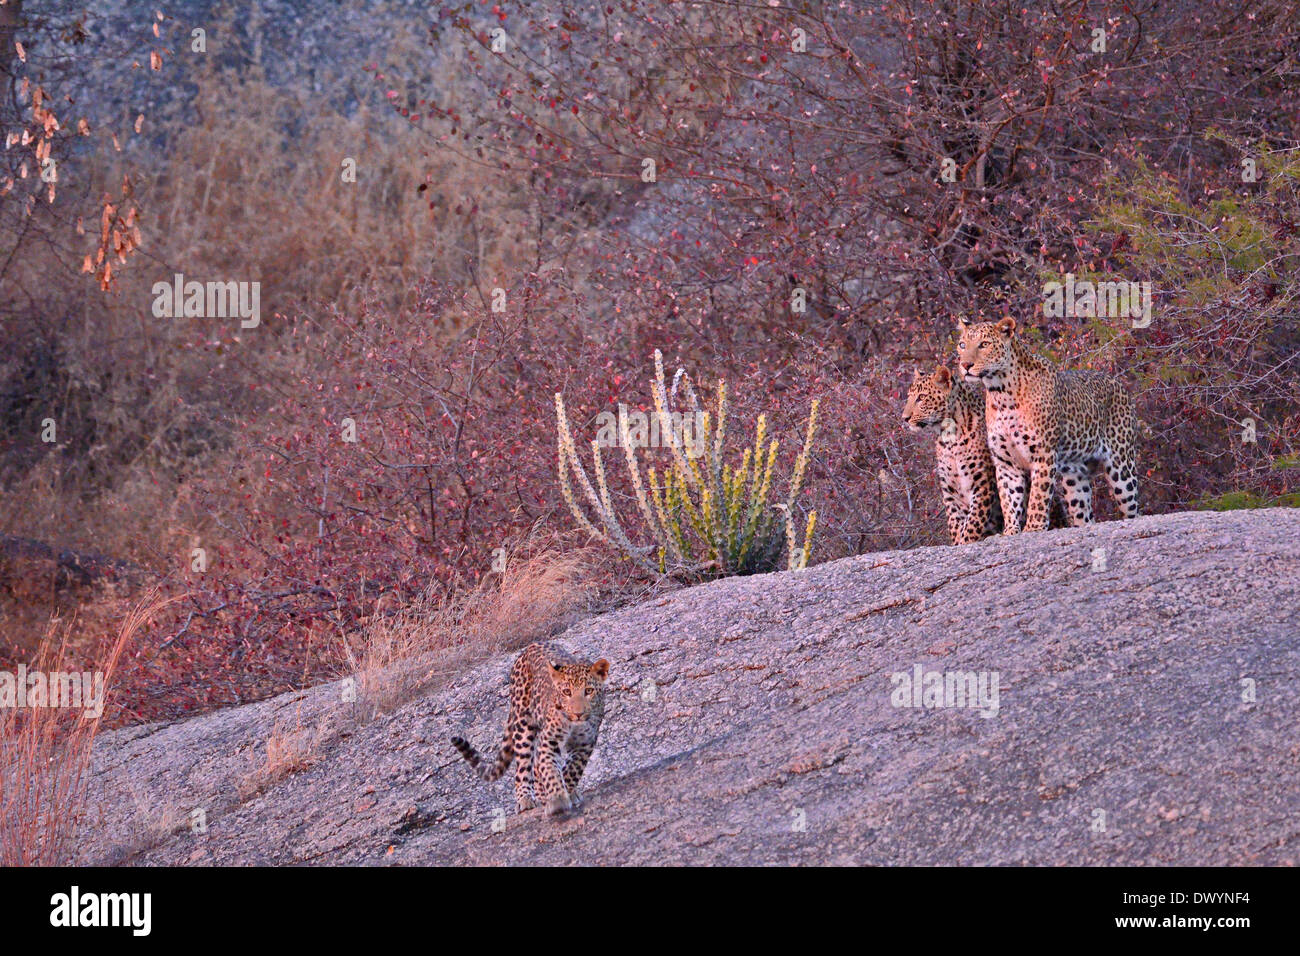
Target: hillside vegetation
457	211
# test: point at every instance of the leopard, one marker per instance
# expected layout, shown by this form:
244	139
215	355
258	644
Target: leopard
962	462
1045	423
557	703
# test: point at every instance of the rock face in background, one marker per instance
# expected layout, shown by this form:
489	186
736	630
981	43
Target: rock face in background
750	721
321	49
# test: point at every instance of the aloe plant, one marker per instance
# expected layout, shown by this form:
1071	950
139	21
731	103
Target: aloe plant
707	516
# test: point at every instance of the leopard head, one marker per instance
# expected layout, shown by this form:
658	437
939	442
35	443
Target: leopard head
576	685
984	352
927	399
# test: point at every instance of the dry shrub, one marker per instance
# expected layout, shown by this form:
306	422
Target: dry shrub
403	653
47	751
149	409
143	403
328	206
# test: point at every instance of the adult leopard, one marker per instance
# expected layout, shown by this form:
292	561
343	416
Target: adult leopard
1043	422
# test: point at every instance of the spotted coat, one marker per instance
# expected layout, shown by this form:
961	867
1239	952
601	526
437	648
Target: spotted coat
962	462
557	703
1044	423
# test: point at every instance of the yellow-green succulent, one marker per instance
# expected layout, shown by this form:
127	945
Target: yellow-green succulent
706	517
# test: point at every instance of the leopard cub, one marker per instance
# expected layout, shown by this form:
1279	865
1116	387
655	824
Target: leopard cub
556	705
962	460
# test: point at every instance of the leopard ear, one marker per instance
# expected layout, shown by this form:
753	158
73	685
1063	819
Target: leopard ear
942	375
962	326
1007	326
600	669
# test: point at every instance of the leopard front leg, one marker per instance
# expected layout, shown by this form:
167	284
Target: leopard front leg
984	516
993	524
970	531
956	516
1042	476
546	770
1120	464
524	737
1011	493
578	753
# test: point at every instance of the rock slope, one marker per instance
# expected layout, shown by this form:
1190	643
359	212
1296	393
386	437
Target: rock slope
1146	714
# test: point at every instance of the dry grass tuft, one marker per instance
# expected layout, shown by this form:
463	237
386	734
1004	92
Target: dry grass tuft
402	654
289	750
45	752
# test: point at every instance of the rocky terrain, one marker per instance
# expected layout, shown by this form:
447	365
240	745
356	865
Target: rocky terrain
293	43
1145	714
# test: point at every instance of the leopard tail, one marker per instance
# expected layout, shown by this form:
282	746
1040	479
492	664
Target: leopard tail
487	771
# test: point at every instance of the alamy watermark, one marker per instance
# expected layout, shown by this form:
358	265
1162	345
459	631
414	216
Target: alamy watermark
82	690
129	910
1086	299
977	690
179	299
